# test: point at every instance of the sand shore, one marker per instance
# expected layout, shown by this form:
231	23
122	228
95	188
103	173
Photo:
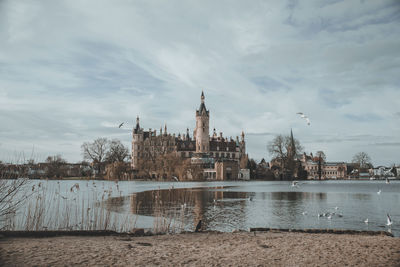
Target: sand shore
203	249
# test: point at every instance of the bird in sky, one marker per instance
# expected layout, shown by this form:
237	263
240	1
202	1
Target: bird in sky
389	220
302	115
121	125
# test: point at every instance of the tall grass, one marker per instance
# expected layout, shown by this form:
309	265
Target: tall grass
170	211
69	210
91	206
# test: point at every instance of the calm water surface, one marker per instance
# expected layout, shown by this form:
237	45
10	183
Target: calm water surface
225	206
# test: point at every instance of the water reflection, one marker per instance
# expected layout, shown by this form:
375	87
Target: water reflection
203	204
275	205
219	208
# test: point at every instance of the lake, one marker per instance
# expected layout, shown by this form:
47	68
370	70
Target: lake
222	206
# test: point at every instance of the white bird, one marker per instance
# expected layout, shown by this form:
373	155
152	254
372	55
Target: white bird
319	215
379	192
336	208
389	220
366	221
387	180
330	216
303	116
295	184
304	212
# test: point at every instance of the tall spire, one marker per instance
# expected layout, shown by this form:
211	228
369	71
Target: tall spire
165	129
202	109
292	144
187	134
137	128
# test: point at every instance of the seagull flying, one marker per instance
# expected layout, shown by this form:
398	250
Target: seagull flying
302	115
389	220
121	125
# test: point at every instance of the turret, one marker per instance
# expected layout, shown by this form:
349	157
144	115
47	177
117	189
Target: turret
202	134
187	134
137	139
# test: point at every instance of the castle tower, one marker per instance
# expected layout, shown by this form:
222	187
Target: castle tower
202	134
137	139
242	145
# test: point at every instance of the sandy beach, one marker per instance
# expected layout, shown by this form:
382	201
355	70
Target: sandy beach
204	249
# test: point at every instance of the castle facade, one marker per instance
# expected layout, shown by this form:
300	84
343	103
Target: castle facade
218	156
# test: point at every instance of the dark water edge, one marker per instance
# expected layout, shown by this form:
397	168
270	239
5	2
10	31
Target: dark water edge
142	232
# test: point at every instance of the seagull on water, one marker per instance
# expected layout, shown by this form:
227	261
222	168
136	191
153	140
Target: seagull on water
295	184
379	192
366	221
387	180
389	220
304	212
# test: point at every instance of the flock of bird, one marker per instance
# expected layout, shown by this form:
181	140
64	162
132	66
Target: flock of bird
329	215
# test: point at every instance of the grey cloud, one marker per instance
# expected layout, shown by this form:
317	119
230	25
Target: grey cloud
69	68
363	117
390	144
261	134
333	99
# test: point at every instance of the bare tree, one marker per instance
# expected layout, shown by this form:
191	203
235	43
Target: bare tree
55	166
96	152
117	152
285	150
321	159
362	159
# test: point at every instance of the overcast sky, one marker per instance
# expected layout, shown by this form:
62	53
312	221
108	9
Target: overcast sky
72	71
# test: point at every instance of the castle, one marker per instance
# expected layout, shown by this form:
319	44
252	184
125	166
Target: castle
218	157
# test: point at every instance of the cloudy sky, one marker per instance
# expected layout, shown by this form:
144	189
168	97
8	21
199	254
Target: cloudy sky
71	71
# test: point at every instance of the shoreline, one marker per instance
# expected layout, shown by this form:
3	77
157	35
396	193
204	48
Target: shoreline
204	249
140	232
